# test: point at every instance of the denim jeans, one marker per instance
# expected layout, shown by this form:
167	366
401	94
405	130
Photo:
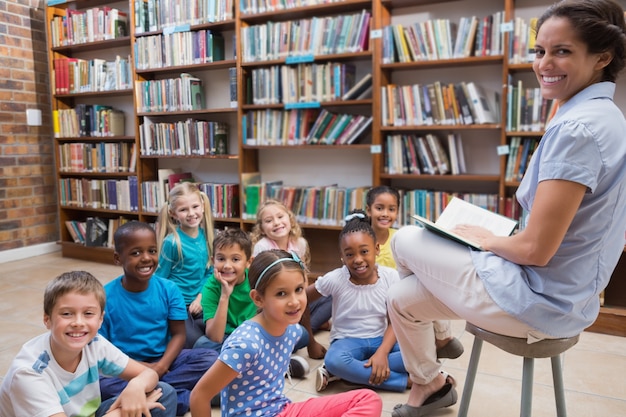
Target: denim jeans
168	399
345	358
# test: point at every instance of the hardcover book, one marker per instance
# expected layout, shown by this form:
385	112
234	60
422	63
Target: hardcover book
459	212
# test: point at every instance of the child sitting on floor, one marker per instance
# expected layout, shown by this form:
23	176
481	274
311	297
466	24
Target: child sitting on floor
52	375
145	317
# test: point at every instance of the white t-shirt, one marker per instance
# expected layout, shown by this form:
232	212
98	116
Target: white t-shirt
359	311
37	386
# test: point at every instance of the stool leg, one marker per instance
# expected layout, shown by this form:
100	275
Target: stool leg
471	376
559	391
527	387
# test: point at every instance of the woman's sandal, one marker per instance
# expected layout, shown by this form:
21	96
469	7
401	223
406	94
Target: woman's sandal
445	397
452	350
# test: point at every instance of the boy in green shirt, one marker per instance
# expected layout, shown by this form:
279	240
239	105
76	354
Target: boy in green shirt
226	301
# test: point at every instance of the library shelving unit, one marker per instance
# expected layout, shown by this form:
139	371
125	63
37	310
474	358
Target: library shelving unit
289	162
90	73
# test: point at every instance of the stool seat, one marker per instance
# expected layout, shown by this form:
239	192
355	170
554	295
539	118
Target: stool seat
518	346
546	348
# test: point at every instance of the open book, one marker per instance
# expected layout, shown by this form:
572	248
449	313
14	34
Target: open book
461	212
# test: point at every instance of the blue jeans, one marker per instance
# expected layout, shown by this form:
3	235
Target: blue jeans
345	358
184	373
168	399
194	329
321	311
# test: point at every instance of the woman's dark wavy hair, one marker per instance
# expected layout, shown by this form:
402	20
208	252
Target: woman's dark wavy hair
599	24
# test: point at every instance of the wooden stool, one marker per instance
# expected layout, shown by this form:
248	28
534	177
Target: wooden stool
547	348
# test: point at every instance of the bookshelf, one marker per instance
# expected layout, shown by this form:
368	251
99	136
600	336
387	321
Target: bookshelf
289	162
93	135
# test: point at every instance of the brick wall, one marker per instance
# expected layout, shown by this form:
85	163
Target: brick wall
27	177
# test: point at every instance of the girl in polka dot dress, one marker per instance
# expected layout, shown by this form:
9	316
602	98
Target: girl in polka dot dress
250	371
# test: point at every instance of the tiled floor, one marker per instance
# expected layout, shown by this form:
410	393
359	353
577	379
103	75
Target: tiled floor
594	369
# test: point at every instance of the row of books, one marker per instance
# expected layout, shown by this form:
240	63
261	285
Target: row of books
100	193
436	104
320	205
73	27
172	94
430	204
95	231
277	127
306	38
266	6
153	15
178	48
527	110
520	152
299	127
428	154
74	75
97	157
300	83
189	137
443	39
337	129
88	120
522	41
223	197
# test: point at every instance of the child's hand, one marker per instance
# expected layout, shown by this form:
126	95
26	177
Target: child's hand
380	368
227	284
133	402
196	305
316	350
156	367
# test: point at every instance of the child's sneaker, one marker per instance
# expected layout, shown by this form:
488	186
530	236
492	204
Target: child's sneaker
322	378
298	367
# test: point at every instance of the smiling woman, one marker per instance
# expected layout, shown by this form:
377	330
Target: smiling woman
564	63
544	281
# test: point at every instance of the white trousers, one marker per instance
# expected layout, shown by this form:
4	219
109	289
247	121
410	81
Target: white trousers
439	283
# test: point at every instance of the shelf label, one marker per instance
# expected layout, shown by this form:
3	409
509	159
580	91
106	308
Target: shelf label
299	59
506	27
173	29
376	149
376	34
305	105
502	150
55	2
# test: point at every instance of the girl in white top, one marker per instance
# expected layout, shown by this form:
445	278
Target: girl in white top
363	348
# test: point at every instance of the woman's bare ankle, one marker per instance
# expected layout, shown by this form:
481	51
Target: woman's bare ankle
439	343
419	393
